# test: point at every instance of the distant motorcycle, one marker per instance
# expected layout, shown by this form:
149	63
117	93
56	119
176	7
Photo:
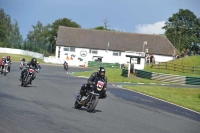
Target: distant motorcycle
65	66
21	65
5	70
91	97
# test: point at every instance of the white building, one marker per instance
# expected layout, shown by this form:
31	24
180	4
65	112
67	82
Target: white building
78	46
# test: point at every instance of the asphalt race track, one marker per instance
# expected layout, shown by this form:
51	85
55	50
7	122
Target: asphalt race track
47	106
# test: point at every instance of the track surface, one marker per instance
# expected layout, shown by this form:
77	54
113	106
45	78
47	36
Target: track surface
48	107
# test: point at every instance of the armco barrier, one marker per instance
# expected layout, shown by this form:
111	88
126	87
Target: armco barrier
193	80
168	77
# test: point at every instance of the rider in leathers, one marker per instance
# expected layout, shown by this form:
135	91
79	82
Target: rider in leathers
9	62
32	64
100	74
3	60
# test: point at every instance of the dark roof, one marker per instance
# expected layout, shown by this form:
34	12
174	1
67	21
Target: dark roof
118	41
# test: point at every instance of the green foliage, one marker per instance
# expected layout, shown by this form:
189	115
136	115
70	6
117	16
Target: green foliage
183	30
54	29
102	28
9	32
15	38
114	75
42	38
99	28
37	40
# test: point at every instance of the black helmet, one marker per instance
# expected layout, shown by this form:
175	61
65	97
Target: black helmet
102	71
33	61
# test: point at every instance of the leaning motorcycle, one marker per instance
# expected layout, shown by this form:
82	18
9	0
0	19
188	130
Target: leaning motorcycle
91	96
27	76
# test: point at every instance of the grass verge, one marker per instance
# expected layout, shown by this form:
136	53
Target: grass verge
186	97
186	61
114	75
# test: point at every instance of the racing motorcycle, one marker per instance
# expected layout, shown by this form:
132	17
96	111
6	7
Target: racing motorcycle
5	70
91	96
21	65
27	77
65	66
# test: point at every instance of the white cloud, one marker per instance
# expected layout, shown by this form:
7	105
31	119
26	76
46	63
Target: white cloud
155	28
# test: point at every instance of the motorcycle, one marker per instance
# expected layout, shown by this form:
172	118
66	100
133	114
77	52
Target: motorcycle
27	77
21	65
91	97
65	66
5	70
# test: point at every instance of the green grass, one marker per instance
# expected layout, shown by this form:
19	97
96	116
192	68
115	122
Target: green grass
114	75
186	97
186	61
17	57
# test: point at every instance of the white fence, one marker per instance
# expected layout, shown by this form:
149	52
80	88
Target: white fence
23	52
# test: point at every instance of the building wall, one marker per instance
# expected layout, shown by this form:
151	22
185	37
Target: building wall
162	58
107	57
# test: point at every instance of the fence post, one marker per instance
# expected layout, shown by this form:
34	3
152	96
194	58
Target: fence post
192	69
174	67
158	65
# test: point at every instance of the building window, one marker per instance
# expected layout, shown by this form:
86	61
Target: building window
116	53
71	49
66	48
93	51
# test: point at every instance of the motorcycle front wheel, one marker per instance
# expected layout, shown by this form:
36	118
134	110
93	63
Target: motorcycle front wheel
93	103
77	105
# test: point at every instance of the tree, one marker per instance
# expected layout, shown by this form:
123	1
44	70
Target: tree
38	38
99	28
102	28
9	32
42	38
182	29
5	28
15	38
54	29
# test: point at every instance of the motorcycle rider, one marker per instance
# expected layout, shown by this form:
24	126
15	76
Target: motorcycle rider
91	81
3	61
65	63
24	60
31	64
8	60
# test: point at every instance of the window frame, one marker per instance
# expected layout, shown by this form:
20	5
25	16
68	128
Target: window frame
118	53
